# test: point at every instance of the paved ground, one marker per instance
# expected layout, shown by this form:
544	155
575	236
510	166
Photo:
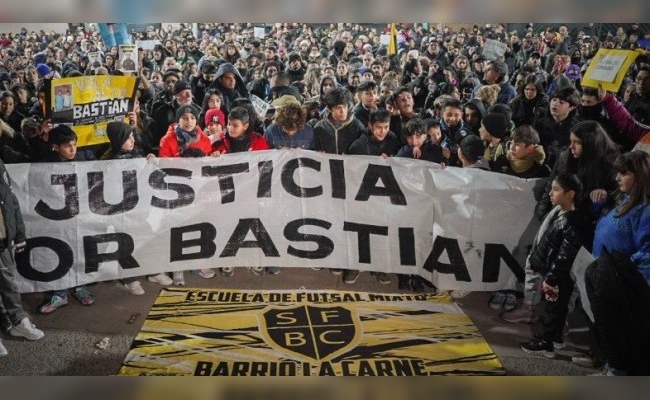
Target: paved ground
72	331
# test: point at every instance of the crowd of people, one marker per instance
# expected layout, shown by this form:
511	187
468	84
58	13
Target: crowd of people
340	89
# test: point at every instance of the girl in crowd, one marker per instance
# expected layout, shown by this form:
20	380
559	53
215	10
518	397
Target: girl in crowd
617	283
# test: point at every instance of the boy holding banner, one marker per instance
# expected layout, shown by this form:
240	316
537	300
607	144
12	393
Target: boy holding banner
64	149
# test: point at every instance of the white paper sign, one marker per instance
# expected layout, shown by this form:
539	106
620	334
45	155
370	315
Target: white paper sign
384	39
258	32
607	67
494	49
146	44
261	107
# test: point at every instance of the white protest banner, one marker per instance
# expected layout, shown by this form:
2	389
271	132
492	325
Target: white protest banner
261	106
258	32
493	49
102	220
384	39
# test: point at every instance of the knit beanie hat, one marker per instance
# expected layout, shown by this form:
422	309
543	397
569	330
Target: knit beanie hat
189	108
118	133
496	124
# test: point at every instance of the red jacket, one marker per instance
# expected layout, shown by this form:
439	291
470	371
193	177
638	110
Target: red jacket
169	143
257	142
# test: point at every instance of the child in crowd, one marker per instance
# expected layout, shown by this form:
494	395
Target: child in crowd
334	134
419	144
525	155
183	136
471	153
453	128
415	132
493	132
379	141
122	146
240	137
12	240
552	259
64	149
289	129
214	124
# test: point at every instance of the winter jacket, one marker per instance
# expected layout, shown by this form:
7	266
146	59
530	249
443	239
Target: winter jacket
624	121
369	146
526	112
169	145
255	142
336	138
229	95
278	139
13	219
628	234
558	247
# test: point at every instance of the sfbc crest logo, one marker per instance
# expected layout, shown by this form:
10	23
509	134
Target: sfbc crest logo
310	332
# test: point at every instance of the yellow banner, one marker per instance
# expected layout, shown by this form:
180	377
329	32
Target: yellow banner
88	103
392	44
206	332
608	69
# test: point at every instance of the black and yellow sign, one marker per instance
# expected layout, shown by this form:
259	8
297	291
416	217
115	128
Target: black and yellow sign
88	103
254	333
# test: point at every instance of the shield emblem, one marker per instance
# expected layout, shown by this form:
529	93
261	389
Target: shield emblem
311	332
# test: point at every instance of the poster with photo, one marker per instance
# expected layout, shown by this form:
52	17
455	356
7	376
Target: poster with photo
95	59
128	58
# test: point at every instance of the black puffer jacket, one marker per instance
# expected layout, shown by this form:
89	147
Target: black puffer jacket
11	210
559	245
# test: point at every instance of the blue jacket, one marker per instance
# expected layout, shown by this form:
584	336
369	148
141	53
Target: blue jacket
277	139
628	234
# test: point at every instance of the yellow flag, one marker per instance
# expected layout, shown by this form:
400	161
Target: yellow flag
392	44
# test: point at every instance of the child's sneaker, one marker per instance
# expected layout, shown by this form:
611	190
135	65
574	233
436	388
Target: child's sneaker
350	276
459	294
205	273
316	268
3	350
161	279
497	300
538	347
227	271
27	330
511	302
257	271
272	270
336	271
382	277
84	296
135	288
178	278
57	300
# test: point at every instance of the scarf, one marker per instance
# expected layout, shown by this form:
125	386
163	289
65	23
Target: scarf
184	138
520	165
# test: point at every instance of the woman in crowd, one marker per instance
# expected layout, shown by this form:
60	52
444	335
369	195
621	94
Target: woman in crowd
531	104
